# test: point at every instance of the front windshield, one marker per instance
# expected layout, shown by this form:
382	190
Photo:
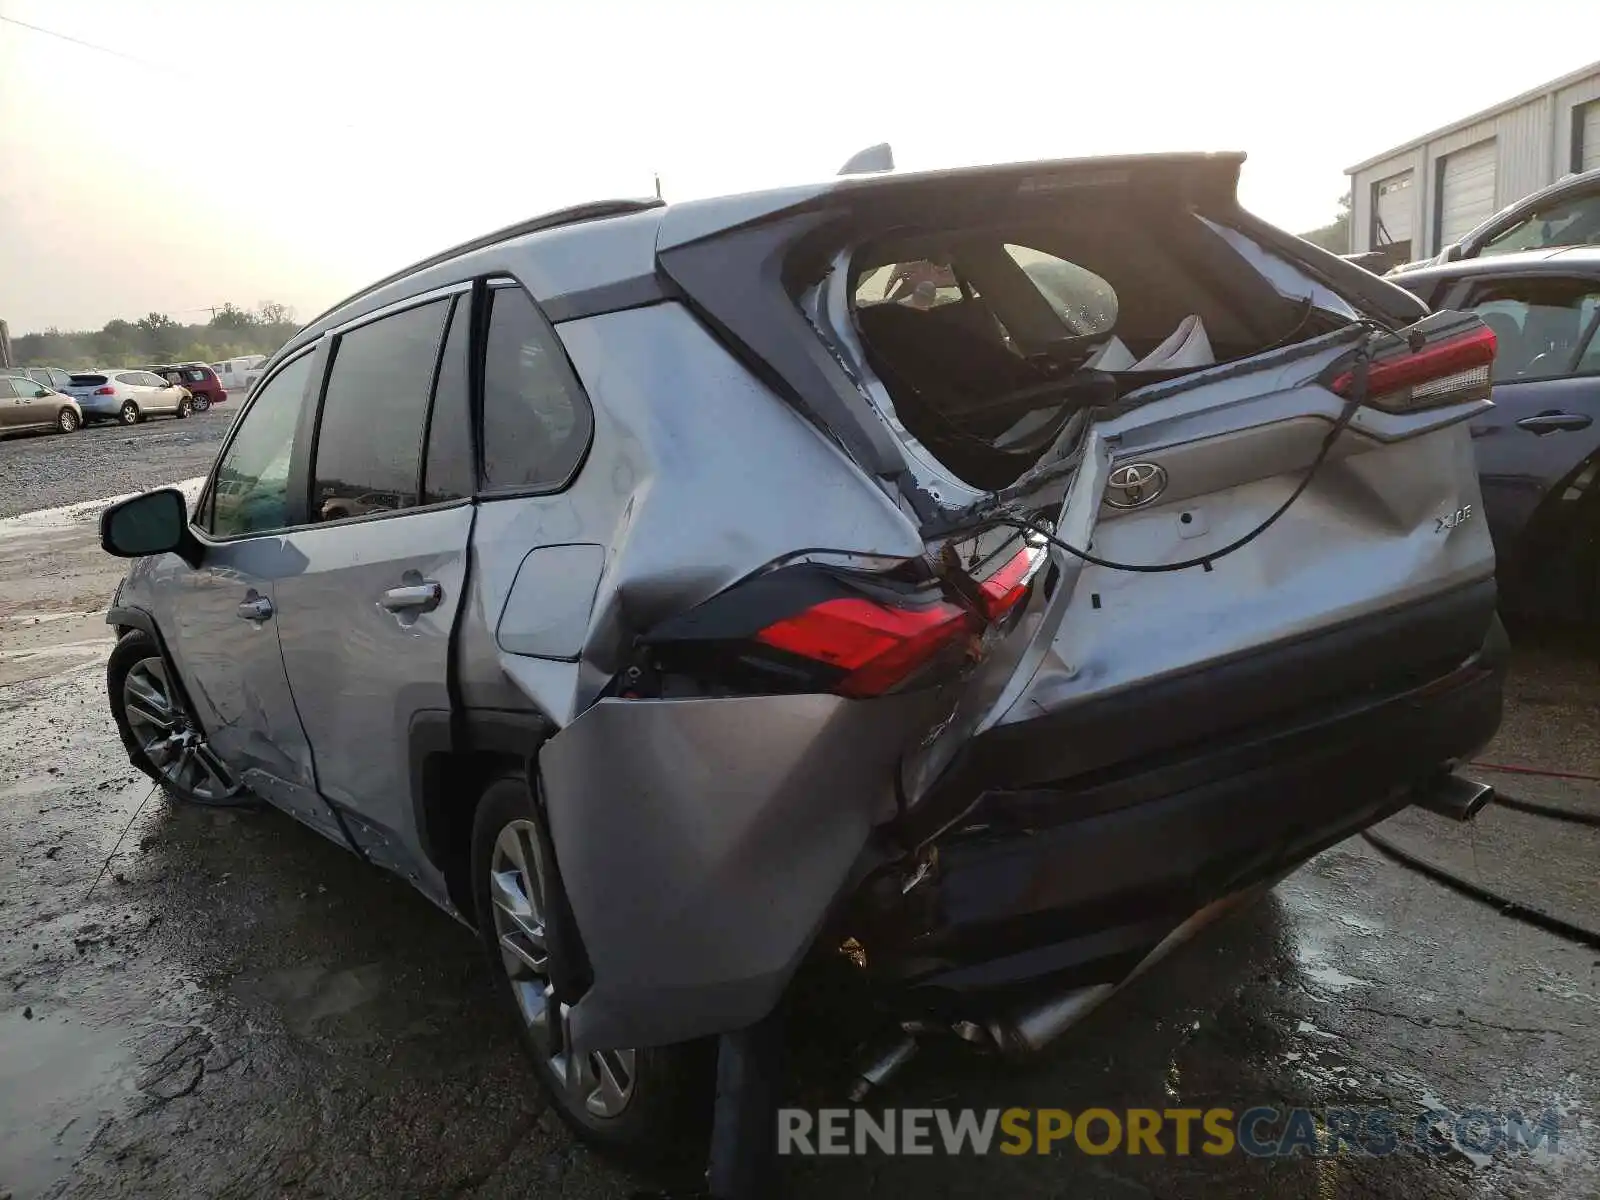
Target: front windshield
1571	222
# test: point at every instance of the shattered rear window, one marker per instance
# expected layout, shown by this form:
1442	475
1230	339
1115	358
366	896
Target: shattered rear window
1086	302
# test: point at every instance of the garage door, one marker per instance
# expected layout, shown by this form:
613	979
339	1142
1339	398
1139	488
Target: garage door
1589	136
1466	191
1393	201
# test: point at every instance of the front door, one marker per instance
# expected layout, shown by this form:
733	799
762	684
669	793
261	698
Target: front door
13	408
220	619
365	627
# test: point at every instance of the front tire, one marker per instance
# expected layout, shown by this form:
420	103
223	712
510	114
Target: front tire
67	421
158	733
130	414
650	1106
185	407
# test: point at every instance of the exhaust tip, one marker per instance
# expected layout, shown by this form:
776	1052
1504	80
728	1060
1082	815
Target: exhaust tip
1454	797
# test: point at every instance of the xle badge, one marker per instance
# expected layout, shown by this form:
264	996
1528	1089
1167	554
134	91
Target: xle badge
1447	523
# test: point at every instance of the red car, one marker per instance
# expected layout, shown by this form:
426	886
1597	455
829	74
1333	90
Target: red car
200	379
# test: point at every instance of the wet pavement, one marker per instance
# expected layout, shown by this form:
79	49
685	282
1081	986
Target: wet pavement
238	1008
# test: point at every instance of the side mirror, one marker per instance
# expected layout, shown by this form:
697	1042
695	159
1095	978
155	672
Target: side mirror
153	523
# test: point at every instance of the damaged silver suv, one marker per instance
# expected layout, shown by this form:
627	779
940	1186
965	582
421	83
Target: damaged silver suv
973	578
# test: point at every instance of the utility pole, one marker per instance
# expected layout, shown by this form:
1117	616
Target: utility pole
5	345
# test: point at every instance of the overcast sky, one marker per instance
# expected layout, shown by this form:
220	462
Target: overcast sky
293	150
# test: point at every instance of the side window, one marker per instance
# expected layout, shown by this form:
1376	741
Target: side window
131	378
251	492
1589	359
369	438
1537	323
1572	222
536	423
1081	298
448	473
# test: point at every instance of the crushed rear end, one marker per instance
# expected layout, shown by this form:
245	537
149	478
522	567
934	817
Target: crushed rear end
1201	590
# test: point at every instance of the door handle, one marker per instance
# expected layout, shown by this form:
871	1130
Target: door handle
1555	422
255	608
418	597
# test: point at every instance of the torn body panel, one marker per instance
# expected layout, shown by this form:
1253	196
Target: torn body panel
702	842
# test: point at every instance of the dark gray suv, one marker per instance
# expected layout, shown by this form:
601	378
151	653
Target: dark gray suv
974	578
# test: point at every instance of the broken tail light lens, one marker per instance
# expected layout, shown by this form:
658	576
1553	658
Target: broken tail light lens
1452	370
811	629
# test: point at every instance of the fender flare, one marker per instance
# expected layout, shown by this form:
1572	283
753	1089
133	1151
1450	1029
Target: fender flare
128	617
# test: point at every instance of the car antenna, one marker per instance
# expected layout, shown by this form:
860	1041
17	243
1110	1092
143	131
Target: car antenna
872	160
658	185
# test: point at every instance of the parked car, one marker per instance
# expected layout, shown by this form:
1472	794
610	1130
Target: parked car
1567	213
28	404
53	378
1538	448
240	374
198	379
715	615
109	394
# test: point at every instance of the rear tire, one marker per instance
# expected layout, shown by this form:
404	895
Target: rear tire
662	1114
160	737
67	421
130	414
201	403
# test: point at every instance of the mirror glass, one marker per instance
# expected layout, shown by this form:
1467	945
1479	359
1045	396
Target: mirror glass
153	523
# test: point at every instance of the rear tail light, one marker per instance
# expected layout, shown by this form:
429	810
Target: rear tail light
105	391
874	646
809	628
1453	370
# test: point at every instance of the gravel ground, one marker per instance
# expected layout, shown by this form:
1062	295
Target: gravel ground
44	470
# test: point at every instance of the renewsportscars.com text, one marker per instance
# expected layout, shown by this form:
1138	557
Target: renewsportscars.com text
1260	1132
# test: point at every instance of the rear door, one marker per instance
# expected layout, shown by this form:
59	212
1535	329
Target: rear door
1545	423
13	408
365	628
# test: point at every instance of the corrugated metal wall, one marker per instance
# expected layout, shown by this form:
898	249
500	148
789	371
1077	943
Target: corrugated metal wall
1533	147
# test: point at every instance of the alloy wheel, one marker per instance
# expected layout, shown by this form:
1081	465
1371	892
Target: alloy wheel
67	421
601	1083
169	740
130	413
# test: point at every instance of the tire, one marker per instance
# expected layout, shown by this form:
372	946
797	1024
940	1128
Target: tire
130	414
159	735
666	1117
185	407
67	421
201	402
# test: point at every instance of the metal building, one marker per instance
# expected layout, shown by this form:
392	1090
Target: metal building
1419	197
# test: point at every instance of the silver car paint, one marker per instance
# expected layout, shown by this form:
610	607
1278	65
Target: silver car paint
702	841
359	672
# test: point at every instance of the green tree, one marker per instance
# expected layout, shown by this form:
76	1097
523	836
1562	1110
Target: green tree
231	318
1335	235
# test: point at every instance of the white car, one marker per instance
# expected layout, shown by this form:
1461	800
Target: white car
240	374
109	394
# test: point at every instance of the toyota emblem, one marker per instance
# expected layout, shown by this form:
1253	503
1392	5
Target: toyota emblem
1135	484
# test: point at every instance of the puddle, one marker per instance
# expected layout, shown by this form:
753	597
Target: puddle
59	1081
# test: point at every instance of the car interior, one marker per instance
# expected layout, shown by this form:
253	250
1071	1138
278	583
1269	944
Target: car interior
988	339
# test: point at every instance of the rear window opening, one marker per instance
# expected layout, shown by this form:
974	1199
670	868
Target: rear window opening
88	380
988	339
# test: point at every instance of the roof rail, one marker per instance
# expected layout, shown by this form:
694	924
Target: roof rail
595	210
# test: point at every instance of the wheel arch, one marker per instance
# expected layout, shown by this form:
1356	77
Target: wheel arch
126	618
454	758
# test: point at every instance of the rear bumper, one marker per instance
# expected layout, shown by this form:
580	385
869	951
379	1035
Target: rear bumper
1078	880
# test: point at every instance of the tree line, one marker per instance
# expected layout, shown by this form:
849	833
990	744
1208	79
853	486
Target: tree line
156	338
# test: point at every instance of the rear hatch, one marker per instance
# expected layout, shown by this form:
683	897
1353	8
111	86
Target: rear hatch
1260	442
83	385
